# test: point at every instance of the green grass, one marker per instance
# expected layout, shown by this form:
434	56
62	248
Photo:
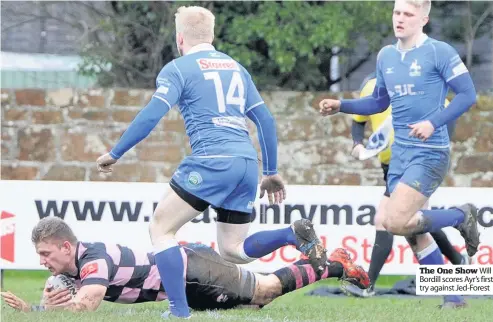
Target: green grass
291	307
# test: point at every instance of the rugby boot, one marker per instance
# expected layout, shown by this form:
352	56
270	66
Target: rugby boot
310	245
352	273
469	228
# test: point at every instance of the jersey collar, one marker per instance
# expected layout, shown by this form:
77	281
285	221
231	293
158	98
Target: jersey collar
201	47
421	40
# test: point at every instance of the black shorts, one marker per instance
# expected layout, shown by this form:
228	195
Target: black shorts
213	283
385	168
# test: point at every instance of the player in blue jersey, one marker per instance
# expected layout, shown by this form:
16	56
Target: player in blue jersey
215	95
384	240
414	75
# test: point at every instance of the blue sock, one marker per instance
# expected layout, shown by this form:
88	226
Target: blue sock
171	269
437	219
265	242
431	255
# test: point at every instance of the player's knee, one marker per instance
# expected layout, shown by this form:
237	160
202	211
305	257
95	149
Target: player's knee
394	225
380	221
159	230
234	254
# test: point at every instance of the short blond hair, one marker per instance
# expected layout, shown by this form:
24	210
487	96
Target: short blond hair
196	24
424	5
52	228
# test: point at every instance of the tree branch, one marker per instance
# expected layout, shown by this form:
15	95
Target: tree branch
481	19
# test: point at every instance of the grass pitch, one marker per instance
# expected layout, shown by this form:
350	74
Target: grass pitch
291	307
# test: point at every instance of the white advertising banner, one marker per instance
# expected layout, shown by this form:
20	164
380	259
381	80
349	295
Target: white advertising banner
120	212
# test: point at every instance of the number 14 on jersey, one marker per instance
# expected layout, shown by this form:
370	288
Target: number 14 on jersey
236	84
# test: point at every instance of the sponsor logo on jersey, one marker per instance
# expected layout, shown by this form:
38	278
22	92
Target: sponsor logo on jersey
234	122
88	269
217	64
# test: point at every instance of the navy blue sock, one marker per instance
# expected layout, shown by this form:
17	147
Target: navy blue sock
265	242
437	219
432	256
171	267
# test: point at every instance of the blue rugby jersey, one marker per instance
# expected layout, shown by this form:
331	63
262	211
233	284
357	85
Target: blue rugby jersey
214	93
416	82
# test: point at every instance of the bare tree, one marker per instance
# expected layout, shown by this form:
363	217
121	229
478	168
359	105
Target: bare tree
473	23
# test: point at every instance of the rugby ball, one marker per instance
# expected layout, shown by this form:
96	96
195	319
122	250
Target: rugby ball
63	282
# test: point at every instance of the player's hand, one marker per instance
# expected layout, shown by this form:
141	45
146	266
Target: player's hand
357	150
276	193
105	162
56	297
329	106
422	130
15	302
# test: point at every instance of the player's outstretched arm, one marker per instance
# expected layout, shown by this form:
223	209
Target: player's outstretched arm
141	126
15	302
169	89
378	102
88	298
138	130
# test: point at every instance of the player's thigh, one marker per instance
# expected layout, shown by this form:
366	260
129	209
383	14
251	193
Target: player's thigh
209	179
403	204
173	211
234	215
426	169
398	205
242	198
213	283
395	169
423	171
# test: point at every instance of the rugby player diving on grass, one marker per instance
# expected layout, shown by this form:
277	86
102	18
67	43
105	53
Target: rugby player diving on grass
216	97
115	273
414	75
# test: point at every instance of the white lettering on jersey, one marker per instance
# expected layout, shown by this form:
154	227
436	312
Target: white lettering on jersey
405	89
215	64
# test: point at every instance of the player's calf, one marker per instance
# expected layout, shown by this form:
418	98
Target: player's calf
170	215
291	278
